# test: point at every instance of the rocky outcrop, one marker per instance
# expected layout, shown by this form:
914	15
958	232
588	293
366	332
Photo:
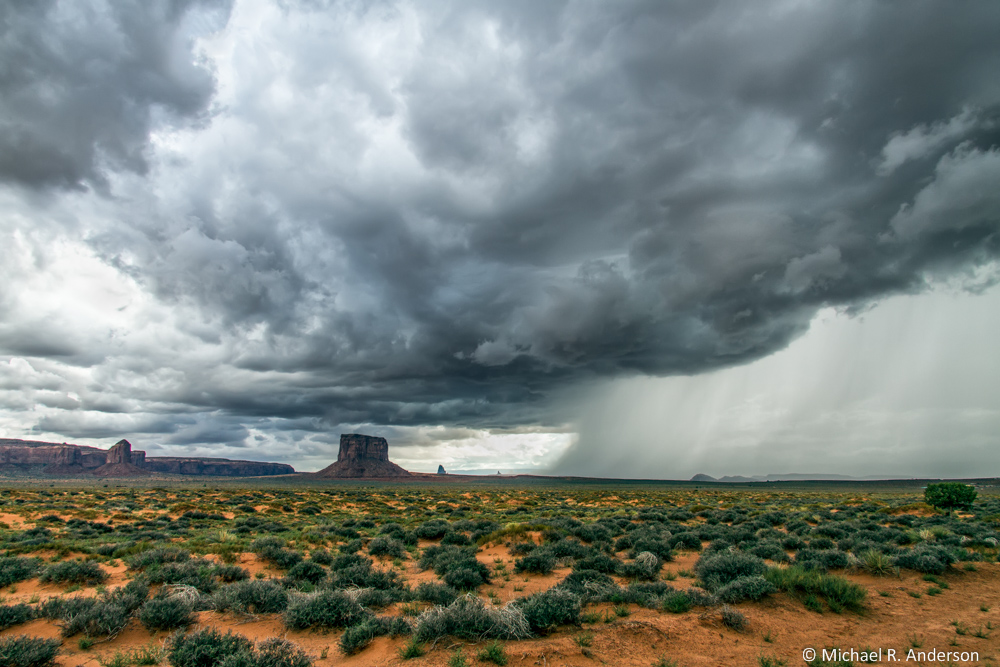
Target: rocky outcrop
441	470
215	467
32	457
362	456
121	462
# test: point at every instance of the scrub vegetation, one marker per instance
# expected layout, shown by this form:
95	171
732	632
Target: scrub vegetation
426	567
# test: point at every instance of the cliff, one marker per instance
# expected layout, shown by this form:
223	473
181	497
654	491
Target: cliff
215	467
362	456
27	456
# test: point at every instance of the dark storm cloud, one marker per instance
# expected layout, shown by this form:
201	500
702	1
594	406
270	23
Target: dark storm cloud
80	84
445	213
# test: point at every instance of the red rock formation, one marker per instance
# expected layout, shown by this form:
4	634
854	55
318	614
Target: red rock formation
362	456
216	467
120	461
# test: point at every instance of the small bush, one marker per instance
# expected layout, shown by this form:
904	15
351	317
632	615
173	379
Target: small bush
356	637
600	562
432	530
469	617
950	495
230	573
166	613
24	651
258	596
208	648
734	620
413	649
745	588
493	652
464	578
16	568
438	594
307	571
717	570
927	558
155	557
15	615
539	561
875	562
326	609
103	619
645	566
549	609
386	546
275	652
321	557
839	593
199	573
75	572
676	602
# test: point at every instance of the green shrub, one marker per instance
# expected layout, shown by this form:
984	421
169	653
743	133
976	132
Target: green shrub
275	652
927	558
600	562
464	578
326	609
257	596
646	565
16	568
74	572
550	608
321	557
103	619
199	573
493	652
164	613
356	637
432	530
15	615
745	588
734	620
386	546
307	571
208	648
839	593
825	559
413	649
718	569
438	594
875	562
950	495
676	602
155	557
24	651
468	617
539	561
230	573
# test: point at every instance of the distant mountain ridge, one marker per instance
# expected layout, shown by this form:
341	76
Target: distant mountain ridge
791	477
53	458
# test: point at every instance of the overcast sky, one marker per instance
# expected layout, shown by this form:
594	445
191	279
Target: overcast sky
622	238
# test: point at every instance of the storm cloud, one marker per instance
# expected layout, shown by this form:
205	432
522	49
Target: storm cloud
245	226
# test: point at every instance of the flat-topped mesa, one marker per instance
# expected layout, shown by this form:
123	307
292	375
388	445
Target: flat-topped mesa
362	456
356	446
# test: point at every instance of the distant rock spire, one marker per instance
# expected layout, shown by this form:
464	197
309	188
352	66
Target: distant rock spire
441	470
